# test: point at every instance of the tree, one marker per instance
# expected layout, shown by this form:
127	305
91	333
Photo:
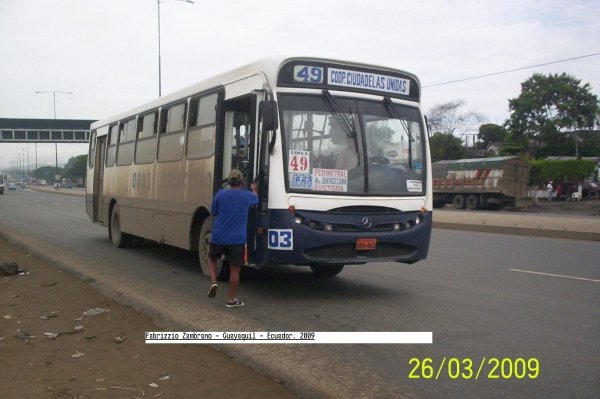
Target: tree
445	146
490	133
48	173
548	107
76	167
450	118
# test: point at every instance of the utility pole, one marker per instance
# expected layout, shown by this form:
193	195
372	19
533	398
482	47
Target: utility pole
159	63
53	92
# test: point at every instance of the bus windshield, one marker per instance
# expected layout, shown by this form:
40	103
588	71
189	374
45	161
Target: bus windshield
352	146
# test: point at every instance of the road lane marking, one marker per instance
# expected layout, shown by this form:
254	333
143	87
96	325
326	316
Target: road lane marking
555	275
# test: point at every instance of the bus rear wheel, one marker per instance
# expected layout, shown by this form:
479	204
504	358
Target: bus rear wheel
118	238
203	246
326	270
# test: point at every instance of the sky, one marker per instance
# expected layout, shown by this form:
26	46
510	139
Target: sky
105	52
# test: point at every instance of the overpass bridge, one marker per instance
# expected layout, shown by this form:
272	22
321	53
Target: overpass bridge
14	130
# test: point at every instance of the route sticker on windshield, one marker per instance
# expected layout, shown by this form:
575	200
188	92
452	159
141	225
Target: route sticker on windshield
414	186
299	161
301	181
330	180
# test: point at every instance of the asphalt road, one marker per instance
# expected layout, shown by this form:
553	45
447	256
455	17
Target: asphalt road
475	292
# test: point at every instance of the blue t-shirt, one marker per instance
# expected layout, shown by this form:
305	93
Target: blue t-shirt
230	210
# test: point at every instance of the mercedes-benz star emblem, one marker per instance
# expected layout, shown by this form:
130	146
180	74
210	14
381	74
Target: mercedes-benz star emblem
366	222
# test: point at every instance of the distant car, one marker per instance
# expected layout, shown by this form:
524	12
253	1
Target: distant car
12	186
590	190
68	185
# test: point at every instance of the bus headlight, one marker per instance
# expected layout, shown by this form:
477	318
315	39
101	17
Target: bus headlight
298	219
396	226
328	228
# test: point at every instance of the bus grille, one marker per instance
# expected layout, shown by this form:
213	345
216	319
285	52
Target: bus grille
351	228
347	251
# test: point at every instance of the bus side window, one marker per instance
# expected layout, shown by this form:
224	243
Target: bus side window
111	153
127	133
202	127
92	152
146	138
172	134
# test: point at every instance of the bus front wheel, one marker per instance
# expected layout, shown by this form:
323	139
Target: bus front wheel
326	270
203	245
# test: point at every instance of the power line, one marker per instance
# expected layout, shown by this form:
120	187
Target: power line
513	70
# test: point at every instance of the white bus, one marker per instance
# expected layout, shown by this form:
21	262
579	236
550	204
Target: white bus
339	151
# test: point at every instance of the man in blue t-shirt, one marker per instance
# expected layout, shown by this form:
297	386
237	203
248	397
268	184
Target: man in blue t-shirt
230	212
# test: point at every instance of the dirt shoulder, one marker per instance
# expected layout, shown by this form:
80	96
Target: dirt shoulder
107	358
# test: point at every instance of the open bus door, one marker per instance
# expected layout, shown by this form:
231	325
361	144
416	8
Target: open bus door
236	148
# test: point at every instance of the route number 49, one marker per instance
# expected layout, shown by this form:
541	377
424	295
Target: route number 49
281	239
308	74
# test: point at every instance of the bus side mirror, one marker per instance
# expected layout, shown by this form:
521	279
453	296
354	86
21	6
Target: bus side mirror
268	111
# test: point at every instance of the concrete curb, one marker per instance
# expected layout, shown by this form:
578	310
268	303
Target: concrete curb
61	191
551	225
525	231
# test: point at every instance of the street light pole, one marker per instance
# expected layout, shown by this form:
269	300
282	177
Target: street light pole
53	92
159	62
159	71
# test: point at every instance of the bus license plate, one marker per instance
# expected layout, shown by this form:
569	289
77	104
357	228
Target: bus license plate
366	244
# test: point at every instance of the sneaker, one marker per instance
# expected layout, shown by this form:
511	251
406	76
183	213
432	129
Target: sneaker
213	290
234	304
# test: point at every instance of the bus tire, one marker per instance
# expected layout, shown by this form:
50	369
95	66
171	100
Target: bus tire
473	202
458	202
326	270
203	245
118	238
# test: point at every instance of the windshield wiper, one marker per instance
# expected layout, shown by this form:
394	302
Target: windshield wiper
389	107
345	122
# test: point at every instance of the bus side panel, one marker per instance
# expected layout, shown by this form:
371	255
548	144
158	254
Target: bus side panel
142	196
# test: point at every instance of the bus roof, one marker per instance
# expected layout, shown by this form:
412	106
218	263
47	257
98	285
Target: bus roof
267	67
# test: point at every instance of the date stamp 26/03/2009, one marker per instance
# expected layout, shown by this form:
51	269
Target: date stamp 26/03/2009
468	369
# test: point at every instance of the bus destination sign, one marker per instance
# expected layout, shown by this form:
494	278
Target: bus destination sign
368	81
326	76
352	79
